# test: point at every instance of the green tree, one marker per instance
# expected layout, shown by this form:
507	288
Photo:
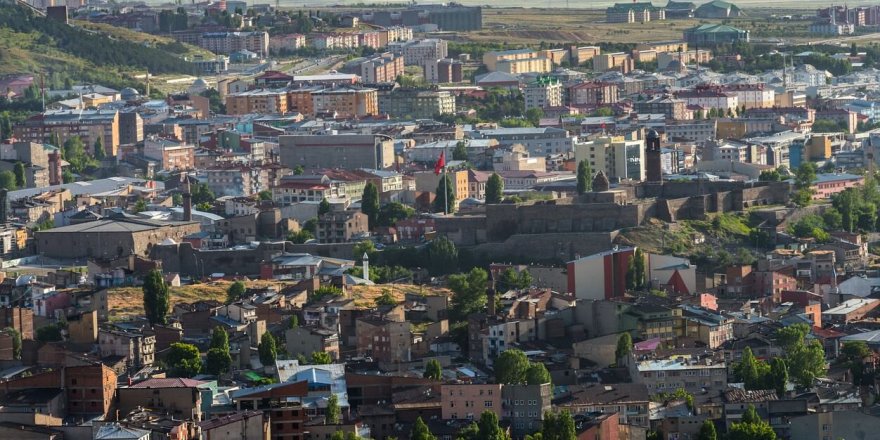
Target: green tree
7	180
469	292
584	177
537	374
624	346
370	203
420	431
442	256
752	427
460	151
326	290
333	414
18	171
558	426
511	367
707	431
769	176
847	202
139	206
853	355
300	237
265	195
323	207
754	373
218	361
511	279
267	349
156	301
433	370
321	358
445	203
49	333
364	247
391	213
805	361
494	189
779	376
489	427
635	273
803	182
183	360
235	292
293	322
99	154
833	219
386	299
219	338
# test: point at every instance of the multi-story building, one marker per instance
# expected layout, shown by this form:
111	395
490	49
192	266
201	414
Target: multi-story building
88	125
308	340
382	68
696	130
229	42
170	154
621	61
711	328
279	44
752	95
384	340
235	180
346	102
491	59
468	401
420	52
672	108
589	94
715	33
347	151
689	373
131	128
539	142
686	57
179	397
257	101
634	13
342	227
544	92
524	406
630	401
418	104
709	97
300	100
138	349
444	71
617	157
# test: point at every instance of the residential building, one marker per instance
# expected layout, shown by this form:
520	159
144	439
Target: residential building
382	68
267	101
169	154
827	185
671	108
180	397
384	340
235	180
708	97
593	94
621	61
238	425
229	42
539	142
630	401
617	157
710	328
850	310
634	13
468	401
342	227
524	406
88	125
346	151
444	71
517	61
686	372
139	349
420	52
346	102
544	92
599	276
417	104
307	340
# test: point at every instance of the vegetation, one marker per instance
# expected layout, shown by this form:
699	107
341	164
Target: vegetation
235	292
325	290
752	427
386	299
321	358
391	213
584	177
370	204
494	189
183	360
50	333
433	370
853	356
442	256
420	431
16	342
805	360
803	182
7	180
460	151
18	171
218	359
624	346
707	431
267	349
511	279
811	226
323	207
469	293
333	414
155	297
444	203
636	275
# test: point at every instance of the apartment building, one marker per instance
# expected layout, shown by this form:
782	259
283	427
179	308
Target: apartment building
229	42
619	158
267	101
444	71
671	108
630	401
137	348
621	61
169	154
493	58
418	104
468	401
88	125
709	98
347	151
685	57
346	102
692	374
236	180
544	92
589	94
342	227
420	52
382	68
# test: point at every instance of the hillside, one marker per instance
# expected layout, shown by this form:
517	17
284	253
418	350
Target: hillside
31	43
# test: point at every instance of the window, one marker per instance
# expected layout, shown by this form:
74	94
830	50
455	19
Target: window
487	404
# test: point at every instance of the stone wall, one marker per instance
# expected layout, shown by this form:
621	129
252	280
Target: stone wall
550	247
503	221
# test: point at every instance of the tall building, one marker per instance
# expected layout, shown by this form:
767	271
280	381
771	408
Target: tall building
544	92
346	102
593	94
257	101
382	68
444	71
420	52
418	104
345	151
89	125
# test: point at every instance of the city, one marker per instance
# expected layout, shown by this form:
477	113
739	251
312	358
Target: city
616	221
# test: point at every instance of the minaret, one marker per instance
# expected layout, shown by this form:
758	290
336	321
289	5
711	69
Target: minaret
187	199
366	266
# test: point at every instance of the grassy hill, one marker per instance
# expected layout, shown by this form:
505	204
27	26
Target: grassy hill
95	53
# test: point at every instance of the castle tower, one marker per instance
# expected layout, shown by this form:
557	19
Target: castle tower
652	156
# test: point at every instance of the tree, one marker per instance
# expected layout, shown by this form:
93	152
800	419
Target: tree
265	195
139	206
18	170
752	372
323	207
99	154
460	151
333	415
370	203
7	180
445	204
386	299
293	322
49	333
779	376
219	338
537	374
489	427
635	273
16	342
707	431
218	361
267	350
442	256
769	176
752	427
534	115
624	346
494	189
853	355
420	431
805	361
321	358
511	367
469	292
558	426
433	370
584	177
833	219
235	292
183	360
511	279
326	290
300	237
803	182
391	213
155	297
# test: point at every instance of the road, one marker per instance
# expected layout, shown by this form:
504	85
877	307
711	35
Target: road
314	65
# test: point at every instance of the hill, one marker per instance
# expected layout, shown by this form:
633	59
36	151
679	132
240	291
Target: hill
30	43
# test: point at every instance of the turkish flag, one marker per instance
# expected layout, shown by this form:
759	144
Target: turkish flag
441	162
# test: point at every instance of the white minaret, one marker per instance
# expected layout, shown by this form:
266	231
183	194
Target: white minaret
366	266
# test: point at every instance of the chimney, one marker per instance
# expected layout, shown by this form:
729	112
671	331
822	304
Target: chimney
187	199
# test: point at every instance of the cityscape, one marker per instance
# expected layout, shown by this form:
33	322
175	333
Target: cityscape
647	220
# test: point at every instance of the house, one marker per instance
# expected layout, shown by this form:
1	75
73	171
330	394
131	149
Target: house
690	373
139	349
180	397
307	340
629	400
240	424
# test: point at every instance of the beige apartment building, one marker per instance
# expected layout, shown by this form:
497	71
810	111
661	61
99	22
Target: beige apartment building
347	102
